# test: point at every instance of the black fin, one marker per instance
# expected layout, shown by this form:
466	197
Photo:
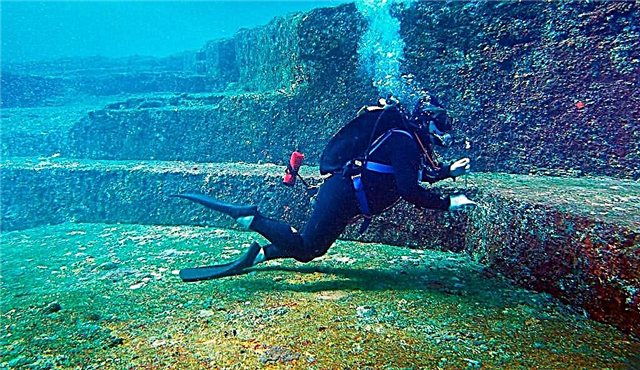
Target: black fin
218	271
230	209
208	272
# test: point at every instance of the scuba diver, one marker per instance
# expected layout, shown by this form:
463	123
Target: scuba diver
374	161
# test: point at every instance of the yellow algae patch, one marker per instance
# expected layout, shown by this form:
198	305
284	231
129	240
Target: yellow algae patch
332	295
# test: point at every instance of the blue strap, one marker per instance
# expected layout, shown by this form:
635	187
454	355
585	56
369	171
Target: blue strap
362	202
374	167
378	167
376	144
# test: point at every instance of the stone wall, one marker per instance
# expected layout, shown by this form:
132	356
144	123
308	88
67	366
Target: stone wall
537	87
248	127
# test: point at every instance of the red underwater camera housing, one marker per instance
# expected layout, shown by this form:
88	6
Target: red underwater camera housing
292	168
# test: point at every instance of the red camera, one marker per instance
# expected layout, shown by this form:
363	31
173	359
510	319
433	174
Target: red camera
292	168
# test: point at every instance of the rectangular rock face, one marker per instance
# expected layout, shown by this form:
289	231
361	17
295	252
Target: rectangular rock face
49	191
581	257
576	238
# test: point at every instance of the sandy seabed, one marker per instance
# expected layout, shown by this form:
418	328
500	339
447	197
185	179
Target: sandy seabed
100	296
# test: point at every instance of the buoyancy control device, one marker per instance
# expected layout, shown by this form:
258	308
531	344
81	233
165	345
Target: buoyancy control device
354	140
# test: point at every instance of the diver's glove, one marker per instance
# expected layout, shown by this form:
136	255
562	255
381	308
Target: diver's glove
460	167
460	201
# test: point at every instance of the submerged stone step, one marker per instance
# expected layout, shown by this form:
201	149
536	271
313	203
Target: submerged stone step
43	131
210	127
577	238
216	127
30	90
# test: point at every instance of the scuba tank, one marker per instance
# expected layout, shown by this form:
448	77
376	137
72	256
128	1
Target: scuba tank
355	138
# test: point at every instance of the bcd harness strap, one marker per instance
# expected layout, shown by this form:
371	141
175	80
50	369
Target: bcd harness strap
355	167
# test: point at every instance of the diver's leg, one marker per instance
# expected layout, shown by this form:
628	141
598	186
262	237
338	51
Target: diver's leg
335	207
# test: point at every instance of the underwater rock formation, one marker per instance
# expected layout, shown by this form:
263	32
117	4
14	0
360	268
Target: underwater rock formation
537	87
542	88
63	81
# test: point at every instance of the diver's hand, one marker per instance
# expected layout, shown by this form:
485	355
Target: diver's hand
460	167
460	201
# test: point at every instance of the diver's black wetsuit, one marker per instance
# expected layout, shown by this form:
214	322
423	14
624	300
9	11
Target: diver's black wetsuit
336	203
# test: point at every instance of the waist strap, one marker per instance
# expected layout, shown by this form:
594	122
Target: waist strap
362	202
361	197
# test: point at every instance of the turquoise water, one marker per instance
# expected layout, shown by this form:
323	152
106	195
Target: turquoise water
213	97
44	30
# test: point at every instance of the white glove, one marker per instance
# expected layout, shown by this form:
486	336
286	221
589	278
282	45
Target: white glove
460	167
460	201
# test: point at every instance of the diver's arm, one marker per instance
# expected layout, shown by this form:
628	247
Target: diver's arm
405	160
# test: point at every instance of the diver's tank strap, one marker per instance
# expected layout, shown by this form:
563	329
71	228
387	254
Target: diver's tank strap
379	167
376	144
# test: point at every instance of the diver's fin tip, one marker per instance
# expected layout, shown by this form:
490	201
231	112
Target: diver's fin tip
185	276
228	269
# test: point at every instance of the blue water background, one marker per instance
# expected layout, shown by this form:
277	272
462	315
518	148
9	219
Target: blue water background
51	30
